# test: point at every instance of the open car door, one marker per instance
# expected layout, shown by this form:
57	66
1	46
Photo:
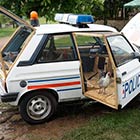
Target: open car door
98	68
19	33
114	77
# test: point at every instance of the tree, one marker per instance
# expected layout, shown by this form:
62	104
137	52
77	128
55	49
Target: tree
113	9
15	6
107	9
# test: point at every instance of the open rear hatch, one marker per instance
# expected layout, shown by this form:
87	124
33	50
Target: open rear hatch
132	30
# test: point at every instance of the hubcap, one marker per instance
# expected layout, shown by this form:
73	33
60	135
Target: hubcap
39	107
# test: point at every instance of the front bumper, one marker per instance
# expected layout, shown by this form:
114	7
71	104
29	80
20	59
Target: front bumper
9	97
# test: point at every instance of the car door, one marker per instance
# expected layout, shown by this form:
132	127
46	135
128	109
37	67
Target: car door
127	68
7	22
53	65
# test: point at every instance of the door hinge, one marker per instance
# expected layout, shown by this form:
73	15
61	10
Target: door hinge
118	80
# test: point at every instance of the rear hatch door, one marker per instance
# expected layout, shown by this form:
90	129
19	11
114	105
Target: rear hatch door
132	30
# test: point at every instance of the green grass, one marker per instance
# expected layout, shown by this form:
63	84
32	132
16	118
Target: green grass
6	31
124	125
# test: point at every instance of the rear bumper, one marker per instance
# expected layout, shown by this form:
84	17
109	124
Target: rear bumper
9	97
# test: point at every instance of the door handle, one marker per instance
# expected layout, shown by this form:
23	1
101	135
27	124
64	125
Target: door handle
124	73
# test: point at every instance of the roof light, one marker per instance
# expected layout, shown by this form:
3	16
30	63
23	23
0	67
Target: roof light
74	19
34	18
58	17
33	15
80	19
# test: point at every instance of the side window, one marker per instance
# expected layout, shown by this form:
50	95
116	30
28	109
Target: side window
121	49
89	47
57	48
16	36
14	46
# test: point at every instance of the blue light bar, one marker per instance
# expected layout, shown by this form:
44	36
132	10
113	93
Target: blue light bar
80	19
74	19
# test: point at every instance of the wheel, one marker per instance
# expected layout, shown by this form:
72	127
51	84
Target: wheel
37	107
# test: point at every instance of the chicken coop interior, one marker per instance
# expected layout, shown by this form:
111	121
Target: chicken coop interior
100	83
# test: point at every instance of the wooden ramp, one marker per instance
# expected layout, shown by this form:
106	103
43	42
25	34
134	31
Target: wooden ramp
105	98
108	97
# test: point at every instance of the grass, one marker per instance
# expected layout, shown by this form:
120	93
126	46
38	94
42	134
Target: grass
6	31
124	125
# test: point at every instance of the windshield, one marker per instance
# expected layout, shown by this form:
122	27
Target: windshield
121	49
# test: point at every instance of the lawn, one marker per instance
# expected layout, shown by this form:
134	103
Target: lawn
115	125
6	31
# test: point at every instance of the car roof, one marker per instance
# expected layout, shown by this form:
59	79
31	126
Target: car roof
64	28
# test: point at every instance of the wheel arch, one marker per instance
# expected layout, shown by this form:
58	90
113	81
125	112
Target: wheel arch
50	91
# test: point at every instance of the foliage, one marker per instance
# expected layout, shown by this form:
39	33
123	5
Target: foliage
47	8
113	7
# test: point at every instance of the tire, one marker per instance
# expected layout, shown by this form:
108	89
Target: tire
37	107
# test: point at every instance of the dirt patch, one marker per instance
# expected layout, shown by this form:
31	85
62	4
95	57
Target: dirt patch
68	117
3	40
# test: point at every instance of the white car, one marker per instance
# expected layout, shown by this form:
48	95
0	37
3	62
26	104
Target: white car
70	61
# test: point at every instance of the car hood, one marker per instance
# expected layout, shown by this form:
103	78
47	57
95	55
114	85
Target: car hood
132	30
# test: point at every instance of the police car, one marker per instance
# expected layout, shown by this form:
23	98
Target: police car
70	61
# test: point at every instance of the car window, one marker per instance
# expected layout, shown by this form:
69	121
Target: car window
57	48
14	46
121	49
89	44
89	48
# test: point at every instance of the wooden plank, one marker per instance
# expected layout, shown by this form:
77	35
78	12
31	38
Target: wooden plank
107	99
